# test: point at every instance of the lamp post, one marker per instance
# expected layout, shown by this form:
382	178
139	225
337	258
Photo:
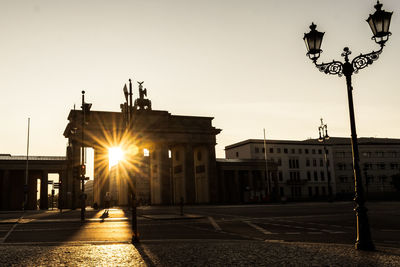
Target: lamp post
85	111
323	135
379	23
127	109
83	167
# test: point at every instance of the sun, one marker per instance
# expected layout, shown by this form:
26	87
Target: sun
115	155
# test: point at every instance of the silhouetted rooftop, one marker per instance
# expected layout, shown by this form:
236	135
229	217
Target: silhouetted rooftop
330	141
9	157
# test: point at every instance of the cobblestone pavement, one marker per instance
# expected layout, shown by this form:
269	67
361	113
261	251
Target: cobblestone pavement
196	253
279	235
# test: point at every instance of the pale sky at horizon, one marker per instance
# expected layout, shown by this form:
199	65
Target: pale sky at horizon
241	62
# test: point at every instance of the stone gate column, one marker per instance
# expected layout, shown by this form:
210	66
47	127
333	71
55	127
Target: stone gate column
44	205
5	194
236	187
62	192
201	173
189	174
100	179
164	172
178	181
160	175
155	181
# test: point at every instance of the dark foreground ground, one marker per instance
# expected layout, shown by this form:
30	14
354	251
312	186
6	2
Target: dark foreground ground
300	234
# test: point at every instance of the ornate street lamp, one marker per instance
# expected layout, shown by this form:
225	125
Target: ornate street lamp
323	136
379	23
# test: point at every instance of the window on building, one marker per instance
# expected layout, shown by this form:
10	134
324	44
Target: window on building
307	162
322	176
314	162
321	162
237	154
285	150
281	191
319	151
368	166
271	150
315	176
313	151
309	176
310	191
294	163
263	150
394	166
317	191
279	162
306	151
381	166
382	179
300	151
323	190
327	162
257	150
293	151
298	191
278	150
341	166
380	154
280	176
367	154
199	155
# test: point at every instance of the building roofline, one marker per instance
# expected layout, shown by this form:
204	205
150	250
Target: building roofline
331	141
31	158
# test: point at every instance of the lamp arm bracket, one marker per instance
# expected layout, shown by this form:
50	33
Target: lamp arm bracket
362	61
334	67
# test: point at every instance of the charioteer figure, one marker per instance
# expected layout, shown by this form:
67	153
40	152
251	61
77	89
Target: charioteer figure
141	103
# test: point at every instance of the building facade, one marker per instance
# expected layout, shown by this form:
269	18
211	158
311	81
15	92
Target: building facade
21	181
245	181
303	174
379	163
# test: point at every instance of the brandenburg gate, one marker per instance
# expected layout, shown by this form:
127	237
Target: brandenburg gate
180	164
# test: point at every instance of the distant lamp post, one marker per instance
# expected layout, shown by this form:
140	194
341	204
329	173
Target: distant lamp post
127	110
379	23
323	136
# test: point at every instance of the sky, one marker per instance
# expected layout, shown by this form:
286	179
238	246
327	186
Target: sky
241	62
